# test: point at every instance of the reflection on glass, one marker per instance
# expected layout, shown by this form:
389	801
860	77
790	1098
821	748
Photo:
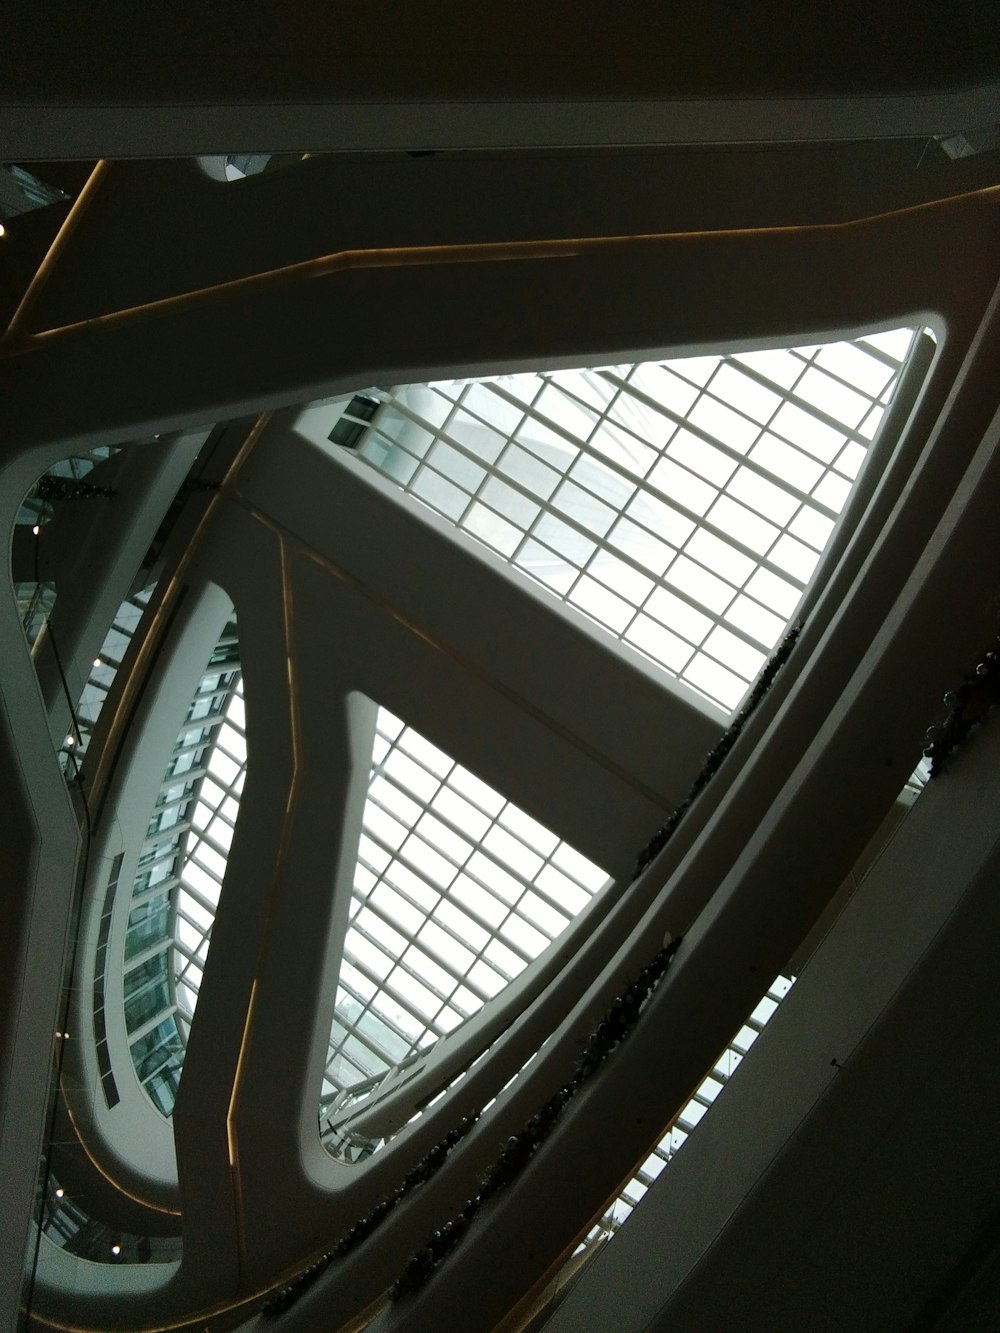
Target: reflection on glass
456	891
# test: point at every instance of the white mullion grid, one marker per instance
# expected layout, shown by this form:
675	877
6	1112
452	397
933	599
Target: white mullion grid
441	435
784	541
344	1052
738	459
189	975
173	845
403	963
700	525
201	803
101	675
790	395
456	994
701	522
746	460
414	867
477	920
193	955
852	432
528	885
198	952
489	469
184	976
197	895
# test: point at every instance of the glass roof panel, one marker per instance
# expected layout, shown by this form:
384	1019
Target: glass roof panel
607	485
457	890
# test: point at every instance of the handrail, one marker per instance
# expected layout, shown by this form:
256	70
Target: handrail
383	257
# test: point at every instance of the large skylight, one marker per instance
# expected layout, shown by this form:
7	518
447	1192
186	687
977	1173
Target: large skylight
682	505
456	891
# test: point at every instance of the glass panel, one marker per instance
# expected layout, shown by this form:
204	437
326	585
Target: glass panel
707	1091
713	459
451	895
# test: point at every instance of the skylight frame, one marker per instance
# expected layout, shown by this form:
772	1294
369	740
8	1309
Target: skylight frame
189	859
711	627
182	869
393	736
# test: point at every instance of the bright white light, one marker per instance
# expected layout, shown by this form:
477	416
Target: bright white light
3	230
610	486
116	1249
68	742
36	529
97	661
60	1192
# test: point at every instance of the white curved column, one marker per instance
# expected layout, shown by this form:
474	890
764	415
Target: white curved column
491	671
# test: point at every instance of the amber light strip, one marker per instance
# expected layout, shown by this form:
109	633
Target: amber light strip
413	257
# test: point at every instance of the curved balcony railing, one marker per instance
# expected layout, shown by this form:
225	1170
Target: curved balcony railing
68	1225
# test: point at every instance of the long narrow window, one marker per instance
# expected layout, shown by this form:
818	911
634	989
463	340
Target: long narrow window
179	875
690	1115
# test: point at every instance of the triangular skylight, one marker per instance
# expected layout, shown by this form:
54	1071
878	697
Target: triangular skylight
682	505
456	892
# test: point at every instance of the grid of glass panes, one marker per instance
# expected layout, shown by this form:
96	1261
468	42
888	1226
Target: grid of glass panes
706	1093
682	505
456	891
166	892
211	825
102	674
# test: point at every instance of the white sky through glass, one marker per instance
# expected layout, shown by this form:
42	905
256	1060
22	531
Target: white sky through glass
682	505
